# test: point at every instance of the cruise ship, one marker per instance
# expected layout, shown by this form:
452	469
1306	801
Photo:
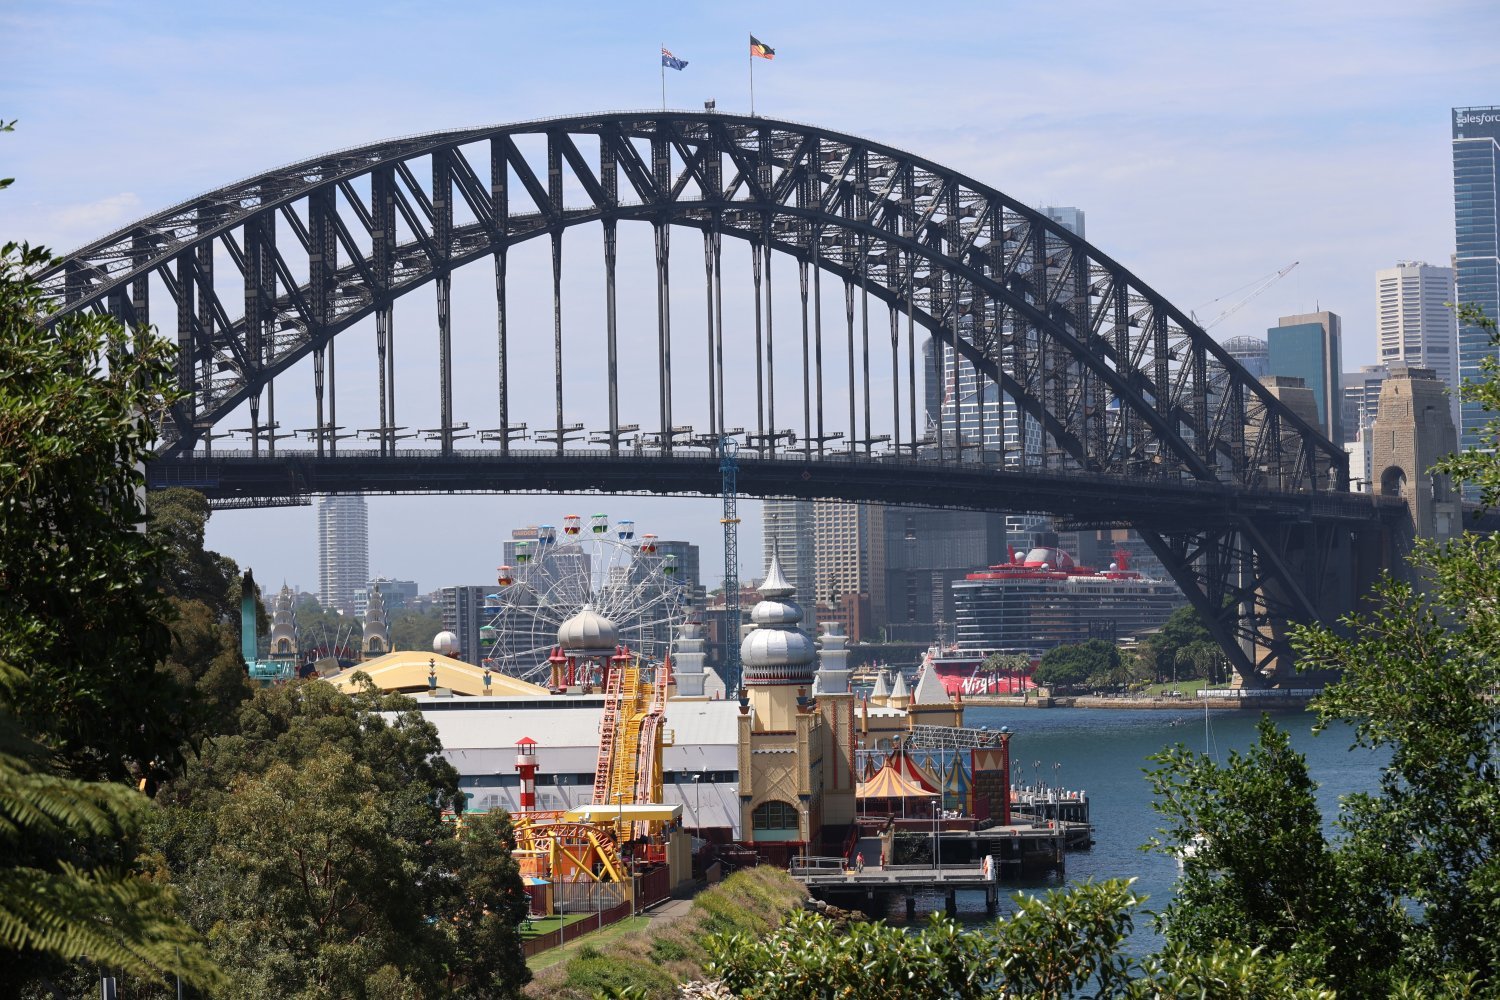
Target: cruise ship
1040	599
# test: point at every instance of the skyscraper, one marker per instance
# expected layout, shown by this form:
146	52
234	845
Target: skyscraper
1251	352
343	550
1361	404
1476	219
1361	399
1415	320
788	534
1308	346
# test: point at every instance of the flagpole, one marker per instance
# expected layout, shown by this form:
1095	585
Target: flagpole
664	76
751	50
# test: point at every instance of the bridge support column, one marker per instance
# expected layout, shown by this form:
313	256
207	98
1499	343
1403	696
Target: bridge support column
950	902
991	900
445	362
911	905
382	333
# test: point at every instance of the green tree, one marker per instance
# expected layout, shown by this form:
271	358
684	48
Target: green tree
1479	466
1006	663
1070	666
202	590
1260	872
191	572
80	634
412	629
77	618
1180	644
1406	903
311	849
1065	943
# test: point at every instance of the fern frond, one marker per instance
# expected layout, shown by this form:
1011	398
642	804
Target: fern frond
113	918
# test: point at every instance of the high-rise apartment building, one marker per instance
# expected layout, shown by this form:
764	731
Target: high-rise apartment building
343	550
842	553
395	595
464	614
925	551
1476	223
1068	217
1415	320
787	532
1308	346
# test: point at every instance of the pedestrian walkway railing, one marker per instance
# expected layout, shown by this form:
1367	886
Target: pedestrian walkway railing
1242	694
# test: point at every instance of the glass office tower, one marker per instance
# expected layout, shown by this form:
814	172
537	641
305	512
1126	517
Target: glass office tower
1308	346
1476	218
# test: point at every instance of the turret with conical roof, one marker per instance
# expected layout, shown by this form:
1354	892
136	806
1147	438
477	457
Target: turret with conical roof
376	640
776	655
283	627
900	694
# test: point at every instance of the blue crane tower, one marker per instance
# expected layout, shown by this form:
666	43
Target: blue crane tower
729	468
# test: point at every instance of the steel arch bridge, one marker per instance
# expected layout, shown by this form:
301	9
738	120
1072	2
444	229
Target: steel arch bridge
1142	418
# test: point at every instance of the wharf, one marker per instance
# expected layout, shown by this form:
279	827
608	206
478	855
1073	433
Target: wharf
826	877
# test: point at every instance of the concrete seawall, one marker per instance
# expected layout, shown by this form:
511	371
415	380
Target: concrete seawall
1268	702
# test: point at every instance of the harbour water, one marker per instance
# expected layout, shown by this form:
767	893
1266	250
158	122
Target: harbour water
1104	751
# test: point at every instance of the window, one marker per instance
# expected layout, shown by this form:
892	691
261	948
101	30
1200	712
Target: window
774	816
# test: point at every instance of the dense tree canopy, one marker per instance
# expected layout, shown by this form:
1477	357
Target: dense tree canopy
412	629
1070	666
81	633
310	847
1405	902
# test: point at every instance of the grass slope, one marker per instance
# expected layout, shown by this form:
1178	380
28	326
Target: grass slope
754	901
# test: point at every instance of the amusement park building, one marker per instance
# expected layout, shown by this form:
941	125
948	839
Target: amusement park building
772	767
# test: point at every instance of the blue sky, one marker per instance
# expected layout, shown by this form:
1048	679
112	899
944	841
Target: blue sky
1210	144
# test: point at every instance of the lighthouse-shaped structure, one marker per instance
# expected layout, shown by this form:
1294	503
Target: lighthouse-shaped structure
526	768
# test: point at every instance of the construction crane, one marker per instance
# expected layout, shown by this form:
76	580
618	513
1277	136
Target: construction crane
1256	288
729	467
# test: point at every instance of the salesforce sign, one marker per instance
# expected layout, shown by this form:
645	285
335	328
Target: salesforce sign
1474	123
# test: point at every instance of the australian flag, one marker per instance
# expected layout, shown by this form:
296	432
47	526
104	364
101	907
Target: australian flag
670	61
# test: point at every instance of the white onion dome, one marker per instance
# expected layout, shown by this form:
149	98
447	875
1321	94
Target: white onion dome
776	652
776	613
445	643
588	632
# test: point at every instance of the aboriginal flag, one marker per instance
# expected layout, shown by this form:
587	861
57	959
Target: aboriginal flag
760	48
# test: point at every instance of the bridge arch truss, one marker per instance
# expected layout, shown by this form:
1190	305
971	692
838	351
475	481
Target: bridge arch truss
1122	385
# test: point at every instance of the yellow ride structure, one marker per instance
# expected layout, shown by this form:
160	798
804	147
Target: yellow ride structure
583	845
631	737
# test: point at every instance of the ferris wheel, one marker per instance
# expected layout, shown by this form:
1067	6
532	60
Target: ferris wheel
549	578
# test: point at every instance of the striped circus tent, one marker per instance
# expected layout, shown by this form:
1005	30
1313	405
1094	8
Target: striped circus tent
891	794
957	788
909	769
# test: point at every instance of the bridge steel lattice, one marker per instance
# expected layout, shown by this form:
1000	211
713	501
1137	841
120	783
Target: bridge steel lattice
1146	421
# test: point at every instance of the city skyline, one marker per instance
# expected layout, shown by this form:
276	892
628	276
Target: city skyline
1164	129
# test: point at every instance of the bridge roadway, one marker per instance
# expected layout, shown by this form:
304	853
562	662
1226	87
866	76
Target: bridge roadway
241	479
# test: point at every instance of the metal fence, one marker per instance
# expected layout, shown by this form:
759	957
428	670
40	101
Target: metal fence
577	929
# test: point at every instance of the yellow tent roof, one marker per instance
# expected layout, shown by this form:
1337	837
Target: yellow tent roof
639	812
887	784
407	670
